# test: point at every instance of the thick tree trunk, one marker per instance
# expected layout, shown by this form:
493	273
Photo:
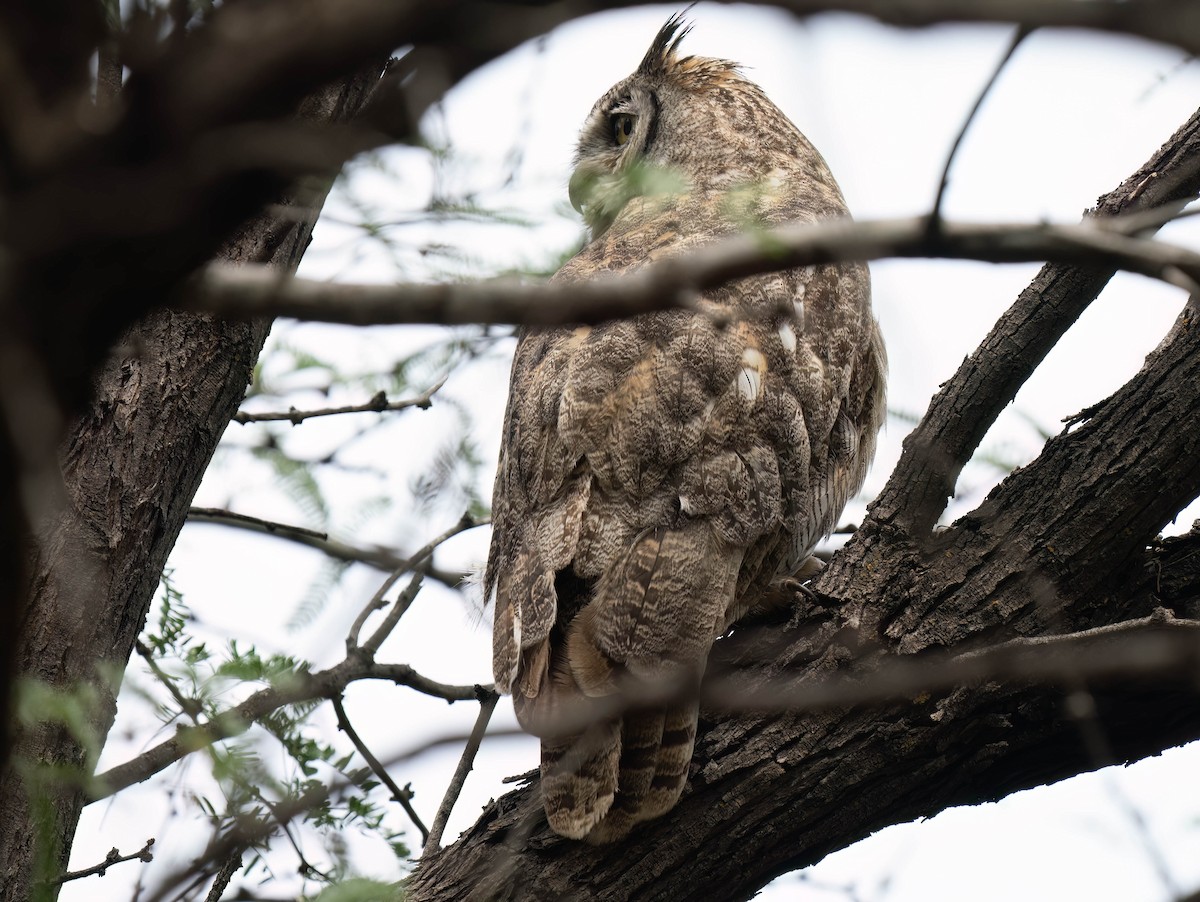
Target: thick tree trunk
1045	634
131	463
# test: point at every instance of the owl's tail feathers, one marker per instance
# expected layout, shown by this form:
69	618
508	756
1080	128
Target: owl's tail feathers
598	785
581	750
579	777
616	705
656	749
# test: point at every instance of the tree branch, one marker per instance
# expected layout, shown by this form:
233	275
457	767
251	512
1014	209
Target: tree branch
378	404
966	406
1154	20
236	720
113	857
1156	646
487	705
375	556
248	292
402	796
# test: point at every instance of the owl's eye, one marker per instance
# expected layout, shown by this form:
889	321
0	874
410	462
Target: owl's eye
622	126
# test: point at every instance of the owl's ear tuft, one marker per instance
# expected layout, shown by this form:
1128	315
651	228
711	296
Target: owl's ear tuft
665	45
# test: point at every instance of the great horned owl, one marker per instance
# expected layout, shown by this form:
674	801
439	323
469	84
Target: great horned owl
659	474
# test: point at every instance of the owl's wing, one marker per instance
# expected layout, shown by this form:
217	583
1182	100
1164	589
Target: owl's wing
538	505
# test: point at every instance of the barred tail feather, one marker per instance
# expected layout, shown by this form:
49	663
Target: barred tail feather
579	778
599	785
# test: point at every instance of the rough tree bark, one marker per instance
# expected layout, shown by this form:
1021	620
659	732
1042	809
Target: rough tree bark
132	463
1064	547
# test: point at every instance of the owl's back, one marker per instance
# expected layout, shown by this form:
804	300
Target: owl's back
657	474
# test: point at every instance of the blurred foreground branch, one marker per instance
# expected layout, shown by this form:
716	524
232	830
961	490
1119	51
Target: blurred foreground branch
248	292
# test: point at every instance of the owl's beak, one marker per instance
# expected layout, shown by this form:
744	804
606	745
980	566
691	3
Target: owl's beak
590	195
577	188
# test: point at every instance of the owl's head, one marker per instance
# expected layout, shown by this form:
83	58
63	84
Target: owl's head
684	124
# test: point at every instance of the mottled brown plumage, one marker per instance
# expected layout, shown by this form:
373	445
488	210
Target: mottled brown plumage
658	474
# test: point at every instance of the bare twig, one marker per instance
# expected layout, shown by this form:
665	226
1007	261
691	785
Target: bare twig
404	675
487	705
399	608
378	404
248	291
374	555
1149	220
231	866
464	523
403	796
113	857
255	524
935	214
